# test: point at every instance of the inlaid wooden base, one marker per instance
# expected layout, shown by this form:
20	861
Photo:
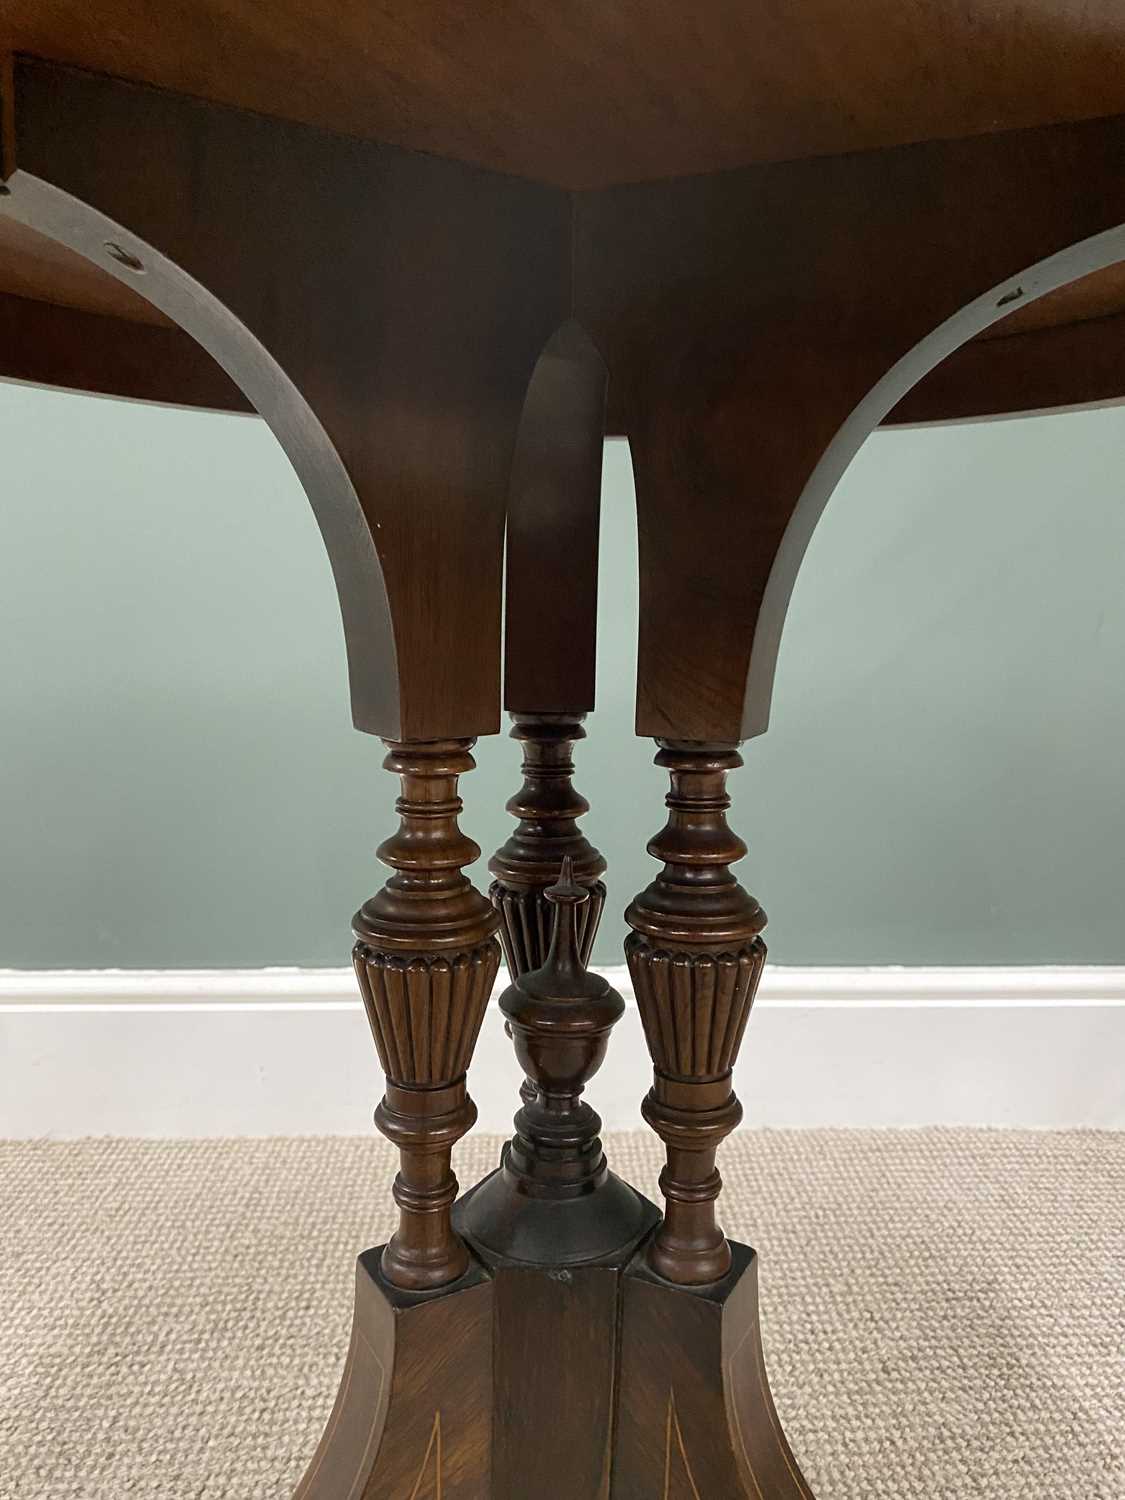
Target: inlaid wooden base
413	1417
555	1354
695	1417
599	1381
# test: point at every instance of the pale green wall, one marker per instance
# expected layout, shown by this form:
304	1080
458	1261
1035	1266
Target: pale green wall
180	784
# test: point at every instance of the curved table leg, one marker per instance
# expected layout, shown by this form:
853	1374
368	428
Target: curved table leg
413	1415
696	1418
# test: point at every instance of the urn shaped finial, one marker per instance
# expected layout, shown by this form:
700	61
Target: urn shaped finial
554	1198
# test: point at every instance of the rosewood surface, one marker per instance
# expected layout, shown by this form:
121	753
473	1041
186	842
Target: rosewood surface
426	958
442	258
584	95
695	956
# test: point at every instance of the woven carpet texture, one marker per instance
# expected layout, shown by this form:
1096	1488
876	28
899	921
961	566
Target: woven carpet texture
944	1310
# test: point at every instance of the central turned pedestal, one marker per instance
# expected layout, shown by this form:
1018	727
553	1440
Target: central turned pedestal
442	273
551	1335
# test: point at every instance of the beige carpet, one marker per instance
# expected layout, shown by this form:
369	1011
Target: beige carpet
944	1310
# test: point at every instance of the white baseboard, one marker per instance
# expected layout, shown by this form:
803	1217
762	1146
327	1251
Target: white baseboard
287	1052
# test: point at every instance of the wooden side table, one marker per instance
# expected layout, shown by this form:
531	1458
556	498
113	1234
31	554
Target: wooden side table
443	250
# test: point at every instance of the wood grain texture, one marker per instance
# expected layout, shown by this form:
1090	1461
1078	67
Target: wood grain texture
1062	349
37	268
695	956
695	1414
556	1362
1039	370
554	1200
554	504
556	1356
749	361
381	309
547	807
426	958
413	1416
110	356
430	341
750	358
585	94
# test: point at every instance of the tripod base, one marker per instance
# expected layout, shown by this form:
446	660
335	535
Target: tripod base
597	1381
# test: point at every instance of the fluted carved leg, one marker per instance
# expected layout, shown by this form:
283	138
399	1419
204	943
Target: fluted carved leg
413	1416
695	955
695	1415
662	1389
570	1307
547	807
426	957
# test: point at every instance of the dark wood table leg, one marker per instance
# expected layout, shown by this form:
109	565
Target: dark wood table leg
548	807
413	1416
431	344
695	1414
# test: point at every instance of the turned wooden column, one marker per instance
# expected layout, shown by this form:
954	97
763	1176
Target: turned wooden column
547	807
426	957
695	955
559	1016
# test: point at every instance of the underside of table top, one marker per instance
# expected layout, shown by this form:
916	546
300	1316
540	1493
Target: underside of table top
590	94
582	96
444	250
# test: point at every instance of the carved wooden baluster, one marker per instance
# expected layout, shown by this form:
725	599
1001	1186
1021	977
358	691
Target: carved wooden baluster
695	955
547	807
559	1015
426	957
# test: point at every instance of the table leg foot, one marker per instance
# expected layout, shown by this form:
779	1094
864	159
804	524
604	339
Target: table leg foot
413	1416
695	1415
594	1349
597	1382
